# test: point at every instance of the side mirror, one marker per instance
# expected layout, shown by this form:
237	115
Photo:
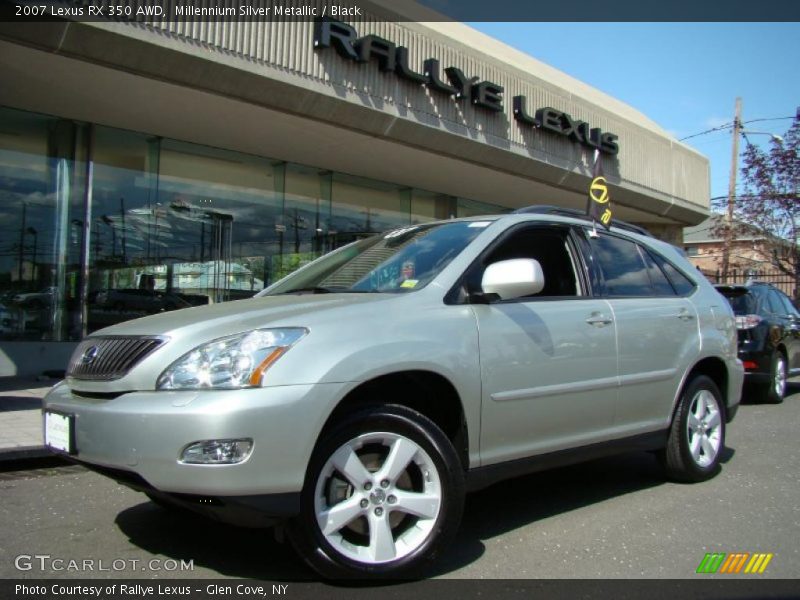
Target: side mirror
513	278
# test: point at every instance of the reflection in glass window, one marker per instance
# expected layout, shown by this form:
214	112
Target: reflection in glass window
427	206
41	191
222	208
177	225
363	206
170	224
661	285
623	268
681	283
305	224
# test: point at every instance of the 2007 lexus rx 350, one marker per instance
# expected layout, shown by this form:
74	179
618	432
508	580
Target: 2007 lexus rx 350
358	399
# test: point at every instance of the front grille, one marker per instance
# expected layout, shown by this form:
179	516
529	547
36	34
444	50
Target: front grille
107	358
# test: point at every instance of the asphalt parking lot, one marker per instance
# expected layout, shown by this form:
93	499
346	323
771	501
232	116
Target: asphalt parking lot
611	518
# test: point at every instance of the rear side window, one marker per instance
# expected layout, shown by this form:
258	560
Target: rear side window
661	285
773	304
682	284
624	270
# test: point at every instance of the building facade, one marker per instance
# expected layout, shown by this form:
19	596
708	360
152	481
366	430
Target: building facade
753	255
149	166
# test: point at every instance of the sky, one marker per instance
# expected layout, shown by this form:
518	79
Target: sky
683	76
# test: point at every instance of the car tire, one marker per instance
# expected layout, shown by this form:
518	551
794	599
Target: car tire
697	434
775	390
383	494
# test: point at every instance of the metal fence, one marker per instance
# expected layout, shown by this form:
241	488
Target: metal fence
782	281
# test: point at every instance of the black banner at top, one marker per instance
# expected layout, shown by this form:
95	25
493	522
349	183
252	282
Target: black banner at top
401	10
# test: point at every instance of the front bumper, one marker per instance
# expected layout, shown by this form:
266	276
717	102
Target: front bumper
144	433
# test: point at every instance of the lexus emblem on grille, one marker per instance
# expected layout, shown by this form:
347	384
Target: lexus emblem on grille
89	355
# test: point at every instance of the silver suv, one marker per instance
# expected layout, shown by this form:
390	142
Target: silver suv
357	400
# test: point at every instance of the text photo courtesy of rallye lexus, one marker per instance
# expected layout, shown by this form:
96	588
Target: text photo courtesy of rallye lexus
358	399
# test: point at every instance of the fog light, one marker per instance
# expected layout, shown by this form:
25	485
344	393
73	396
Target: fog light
217	452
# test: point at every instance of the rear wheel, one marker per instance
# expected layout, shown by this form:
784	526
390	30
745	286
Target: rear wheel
383	494
776	388
697	435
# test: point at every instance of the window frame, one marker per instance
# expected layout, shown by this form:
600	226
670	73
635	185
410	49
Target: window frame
600	275
459	295
655	256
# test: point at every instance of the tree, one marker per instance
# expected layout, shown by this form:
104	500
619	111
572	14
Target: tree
771	199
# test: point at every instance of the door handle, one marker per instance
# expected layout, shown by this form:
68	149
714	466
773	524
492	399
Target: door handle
685	315
599	320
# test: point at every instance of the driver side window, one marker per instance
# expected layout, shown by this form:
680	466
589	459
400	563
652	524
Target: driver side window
550	247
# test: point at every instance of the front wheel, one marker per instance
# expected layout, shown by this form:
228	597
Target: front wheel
697	434
383	494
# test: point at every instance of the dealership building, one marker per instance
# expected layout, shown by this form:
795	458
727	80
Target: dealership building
151	166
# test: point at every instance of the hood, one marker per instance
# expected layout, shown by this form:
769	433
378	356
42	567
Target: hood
229	318
190	327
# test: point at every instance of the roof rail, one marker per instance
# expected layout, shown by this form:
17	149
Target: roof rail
549	209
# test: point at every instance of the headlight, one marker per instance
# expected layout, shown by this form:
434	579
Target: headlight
238	361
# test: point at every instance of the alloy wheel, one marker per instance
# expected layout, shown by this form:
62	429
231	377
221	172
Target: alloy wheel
779	377
377	498
704	428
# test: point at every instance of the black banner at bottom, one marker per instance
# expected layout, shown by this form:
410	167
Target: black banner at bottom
441	589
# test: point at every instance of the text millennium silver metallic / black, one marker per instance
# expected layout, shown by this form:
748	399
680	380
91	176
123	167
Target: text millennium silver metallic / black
276	10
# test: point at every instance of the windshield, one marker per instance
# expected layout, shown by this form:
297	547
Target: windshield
398	261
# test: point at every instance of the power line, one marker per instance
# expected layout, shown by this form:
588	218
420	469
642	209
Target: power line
770	119
729	125
720	128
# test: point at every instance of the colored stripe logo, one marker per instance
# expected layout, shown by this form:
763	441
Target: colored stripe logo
735	563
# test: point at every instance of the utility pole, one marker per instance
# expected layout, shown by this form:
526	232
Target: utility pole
726	249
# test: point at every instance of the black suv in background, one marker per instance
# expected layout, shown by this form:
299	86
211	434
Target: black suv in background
769	336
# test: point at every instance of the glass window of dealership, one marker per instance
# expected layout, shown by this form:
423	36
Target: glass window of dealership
101	225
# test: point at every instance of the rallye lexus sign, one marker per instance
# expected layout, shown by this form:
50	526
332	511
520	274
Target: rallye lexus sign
452	81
